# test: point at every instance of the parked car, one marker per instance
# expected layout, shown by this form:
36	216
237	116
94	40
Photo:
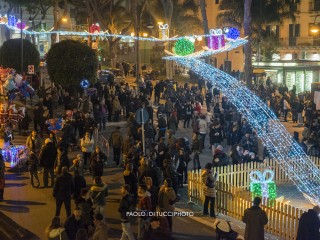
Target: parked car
110	76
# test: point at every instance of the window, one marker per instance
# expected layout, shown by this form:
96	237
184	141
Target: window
315	5
294	32
273	29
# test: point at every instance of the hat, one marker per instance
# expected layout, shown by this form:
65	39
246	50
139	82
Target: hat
220	147
48	140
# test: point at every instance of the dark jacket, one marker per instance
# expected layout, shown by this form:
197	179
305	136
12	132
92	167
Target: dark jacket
63	187
32	162
79	183
72	226
62	161
96	163
309	225
124	207
215	135
48	155
255	219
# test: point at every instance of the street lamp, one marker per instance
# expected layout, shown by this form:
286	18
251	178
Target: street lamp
315	27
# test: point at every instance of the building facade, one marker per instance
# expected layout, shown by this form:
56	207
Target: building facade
297	61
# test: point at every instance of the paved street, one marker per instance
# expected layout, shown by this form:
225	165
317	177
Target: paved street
33	209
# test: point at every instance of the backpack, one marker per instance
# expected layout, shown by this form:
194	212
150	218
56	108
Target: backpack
209	182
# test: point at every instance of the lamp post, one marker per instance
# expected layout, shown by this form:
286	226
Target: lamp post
21	37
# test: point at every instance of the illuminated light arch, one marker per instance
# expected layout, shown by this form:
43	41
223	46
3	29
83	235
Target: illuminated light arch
281	146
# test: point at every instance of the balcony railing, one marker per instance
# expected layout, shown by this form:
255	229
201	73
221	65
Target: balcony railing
314	6
300	41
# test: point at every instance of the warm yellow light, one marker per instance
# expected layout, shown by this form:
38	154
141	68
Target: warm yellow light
199	38
145	34
160	23
132	34
64	19
314	28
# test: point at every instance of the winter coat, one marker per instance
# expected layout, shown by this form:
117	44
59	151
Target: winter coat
255	219
309	225
203	126
131	179
208	191
37	144
48	155
79	184
144	203
116	139
63	187
219	158
100	232
215	135
173	124
99	192
32	162
72	226
86	210
58	234
150	172
87	144
96	164
124	207
166	197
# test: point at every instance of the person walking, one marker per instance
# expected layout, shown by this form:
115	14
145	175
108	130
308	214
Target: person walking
96	162
124	208
47	158
99	192
34	142
2	179
166	198
309	225
209	191
87	144
101	229
32	163
116	142
63	190
73	224
255	218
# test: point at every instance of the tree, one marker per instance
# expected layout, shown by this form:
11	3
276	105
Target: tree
10	54
254	16
70	61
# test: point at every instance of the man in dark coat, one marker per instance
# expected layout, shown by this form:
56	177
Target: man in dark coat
62	191
309	225
255	219
96	162
47	158
73	224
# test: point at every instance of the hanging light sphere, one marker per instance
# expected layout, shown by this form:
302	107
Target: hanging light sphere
232	33
183	47
199	38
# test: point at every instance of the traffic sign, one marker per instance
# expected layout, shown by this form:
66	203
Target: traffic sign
30	69
142	116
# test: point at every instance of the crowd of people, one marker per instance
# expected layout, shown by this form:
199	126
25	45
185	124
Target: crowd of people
153	176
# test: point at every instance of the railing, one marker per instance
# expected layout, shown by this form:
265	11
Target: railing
283	219
233	198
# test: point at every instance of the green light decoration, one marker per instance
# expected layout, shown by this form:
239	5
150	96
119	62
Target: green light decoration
183	47
263	186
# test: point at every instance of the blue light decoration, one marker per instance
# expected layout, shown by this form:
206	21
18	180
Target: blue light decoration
282	147
232	33
84	83
12	21
14	154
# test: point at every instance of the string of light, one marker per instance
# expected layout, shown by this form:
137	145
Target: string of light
281	146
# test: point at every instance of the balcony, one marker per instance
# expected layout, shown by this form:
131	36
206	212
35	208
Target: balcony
314	6
300	41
